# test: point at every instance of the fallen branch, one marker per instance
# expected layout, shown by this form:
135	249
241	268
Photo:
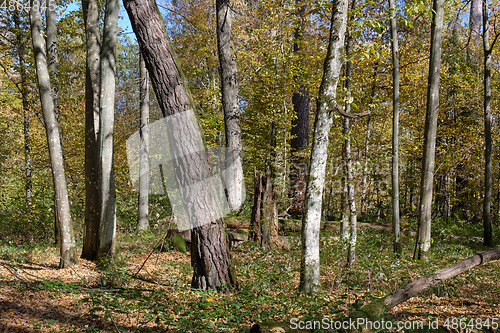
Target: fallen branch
376	308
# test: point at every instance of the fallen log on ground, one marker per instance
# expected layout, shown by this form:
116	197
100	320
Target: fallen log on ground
376	308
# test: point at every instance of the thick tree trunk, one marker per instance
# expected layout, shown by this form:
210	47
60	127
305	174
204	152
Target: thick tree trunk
488	237
300	129
475	21
92	94
395	130
107	228
230	103
20	43
66	235
309	274
431	118
143	207
210	257
378	307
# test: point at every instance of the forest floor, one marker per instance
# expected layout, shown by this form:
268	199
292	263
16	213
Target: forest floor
35	296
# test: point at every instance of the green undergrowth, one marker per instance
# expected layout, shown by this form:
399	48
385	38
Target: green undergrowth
268	282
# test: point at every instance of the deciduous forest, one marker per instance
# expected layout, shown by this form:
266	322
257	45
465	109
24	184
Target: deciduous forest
249	166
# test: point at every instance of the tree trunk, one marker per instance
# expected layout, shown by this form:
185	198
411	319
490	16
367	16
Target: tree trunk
20	43
143	209
210	257
488	237
353	234
475	21
92	94
309	274
107	228
431	118
51	42
378	307
395	130
230	102
300	129
66	235
264	220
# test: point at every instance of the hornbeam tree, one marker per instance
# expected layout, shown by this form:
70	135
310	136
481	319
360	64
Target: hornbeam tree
65	235
431	118
309	274
210	257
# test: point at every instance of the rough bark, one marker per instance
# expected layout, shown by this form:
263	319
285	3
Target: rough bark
230	104
66	236
264	220
210	257
300	128
326	105
377	308
488	237
431	118
143	207
92	93
107	227
395	129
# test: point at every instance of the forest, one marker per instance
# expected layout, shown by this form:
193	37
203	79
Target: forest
249	166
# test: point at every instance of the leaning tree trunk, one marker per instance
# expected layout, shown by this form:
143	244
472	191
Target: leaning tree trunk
107	227
395	129
66	235
92	93
488	237
210	257
377	308
230	103
309	273
143	207
431	118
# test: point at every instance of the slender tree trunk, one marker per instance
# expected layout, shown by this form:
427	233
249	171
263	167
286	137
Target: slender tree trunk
20	43
395	129
309	274
364	180
210	257
107	228
475	21
66	235
351	202
488	237
431	118
143	210
344	205
230	103
92	94
51	42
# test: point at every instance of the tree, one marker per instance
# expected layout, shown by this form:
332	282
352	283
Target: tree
210	257
326	105
107	228
426	185
395	128
487	49
92	92
230	104
143	209
300	123
66	236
